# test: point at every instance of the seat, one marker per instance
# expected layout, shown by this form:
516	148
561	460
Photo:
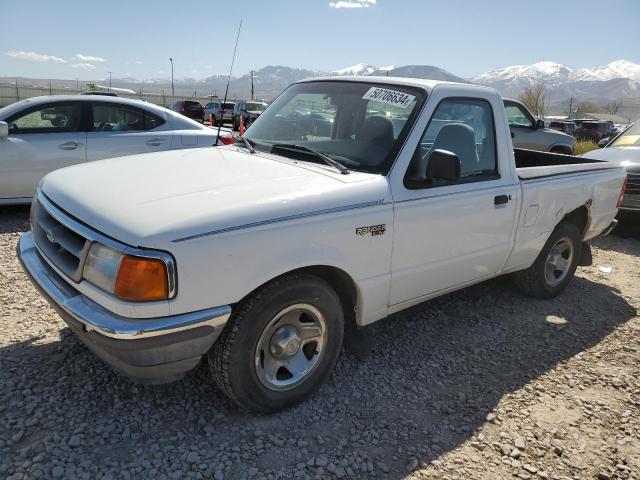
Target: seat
377	130
457	138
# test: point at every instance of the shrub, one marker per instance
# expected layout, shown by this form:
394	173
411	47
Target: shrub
584	146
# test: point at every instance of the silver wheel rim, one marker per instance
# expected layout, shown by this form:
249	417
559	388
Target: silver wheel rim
290	347
558	262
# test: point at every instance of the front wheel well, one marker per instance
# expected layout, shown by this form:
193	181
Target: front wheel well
564	149
339	280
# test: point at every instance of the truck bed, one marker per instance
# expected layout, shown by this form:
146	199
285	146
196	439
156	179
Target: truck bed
531	164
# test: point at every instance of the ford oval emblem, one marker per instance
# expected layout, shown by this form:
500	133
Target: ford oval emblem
50	236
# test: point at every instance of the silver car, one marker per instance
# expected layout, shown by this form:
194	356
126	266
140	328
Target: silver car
42	134
625	150
529	133
219	112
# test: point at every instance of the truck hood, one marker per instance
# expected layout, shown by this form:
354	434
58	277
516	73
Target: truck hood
153	199
625	156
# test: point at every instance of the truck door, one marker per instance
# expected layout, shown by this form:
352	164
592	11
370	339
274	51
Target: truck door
448	233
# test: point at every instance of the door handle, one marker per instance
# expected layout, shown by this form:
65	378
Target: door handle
501	199
69	146
155	142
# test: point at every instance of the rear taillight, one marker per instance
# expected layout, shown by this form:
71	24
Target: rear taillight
182	108
227	140
623	190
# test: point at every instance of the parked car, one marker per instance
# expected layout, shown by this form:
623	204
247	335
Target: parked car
249	109
190	109
529	133
221	112
594	131
261	260
625	150
563	126
42	134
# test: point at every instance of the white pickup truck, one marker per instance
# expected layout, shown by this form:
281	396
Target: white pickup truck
346	201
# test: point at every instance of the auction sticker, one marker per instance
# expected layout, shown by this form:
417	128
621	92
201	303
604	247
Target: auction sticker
390	97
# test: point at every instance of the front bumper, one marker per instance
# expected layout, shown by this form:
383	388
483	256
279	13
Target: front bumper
148	350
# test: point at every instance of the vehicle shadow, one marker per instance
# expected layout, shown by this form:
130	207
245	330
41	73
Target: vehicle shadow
14	219
435	372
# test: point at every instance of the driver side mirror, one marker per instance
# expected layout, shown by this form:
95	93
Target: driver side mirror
603	143
4	129
443	165
539	124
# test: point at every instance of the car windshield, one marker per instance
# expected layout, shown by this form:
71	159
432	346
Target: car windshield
630	138
358	124
256	107
228	106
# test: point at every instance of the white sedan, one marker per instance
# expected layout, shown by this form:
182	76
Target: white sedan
42	134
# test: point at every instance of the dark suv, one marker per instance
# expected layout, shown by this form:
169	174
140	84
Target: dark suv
190	109
594	131
563	126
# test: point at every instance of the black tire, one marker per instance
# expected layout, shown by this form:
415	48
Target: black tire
533	281
232	360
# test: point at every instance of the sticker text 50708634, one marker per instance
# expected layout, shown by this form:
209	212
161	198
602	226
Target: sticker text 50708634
390	97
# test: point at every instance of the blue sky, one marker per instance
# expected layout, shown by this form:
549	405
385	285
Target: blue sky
80	39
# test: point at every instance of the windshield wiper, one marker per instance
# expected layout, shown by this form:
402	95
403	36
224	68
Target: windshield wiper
325	158
247	143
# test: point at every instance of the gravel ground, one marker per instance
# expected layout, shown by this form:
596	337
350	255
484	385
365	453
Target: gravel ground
480	384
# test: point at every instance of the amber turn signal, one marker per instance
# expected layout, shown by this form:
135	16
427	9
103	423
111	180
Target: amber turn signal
142	279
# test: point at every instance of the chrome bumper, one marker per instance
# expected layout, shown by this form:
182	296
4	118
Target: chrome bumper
95	317
148	350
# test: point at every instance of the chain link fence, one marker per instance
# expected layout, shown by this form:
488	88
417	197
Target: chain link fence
13	92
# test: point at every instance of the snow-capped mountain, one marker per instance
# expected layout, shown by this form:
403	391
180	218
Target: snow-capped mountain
615	80
354	70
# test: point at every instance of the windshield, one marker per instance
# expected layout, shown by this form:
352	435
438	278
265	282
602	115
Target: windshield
630	137
360	125
256	107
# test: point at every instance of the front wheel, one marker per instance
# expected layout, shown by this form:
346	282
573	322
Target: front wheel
280	344
555	266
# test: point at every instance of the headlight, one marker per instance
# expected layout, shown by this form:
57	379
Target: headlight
128	277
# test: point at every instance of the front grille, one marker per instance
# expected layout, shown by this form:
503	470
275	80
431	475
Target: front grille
65	248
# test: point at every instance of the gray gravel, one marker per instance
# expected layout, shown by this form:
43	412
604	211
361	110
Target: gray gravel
480	384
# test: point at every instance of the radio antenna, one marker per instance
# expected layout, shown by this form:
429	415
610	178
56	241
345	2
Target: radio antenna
226	92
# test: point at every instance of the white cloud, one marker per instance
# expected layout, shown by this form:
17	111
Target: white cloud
352	4
84	66
87	58
34	57
138	62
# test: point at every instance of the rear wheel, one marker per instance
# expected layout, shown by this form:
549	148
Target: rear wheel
280	344
555	266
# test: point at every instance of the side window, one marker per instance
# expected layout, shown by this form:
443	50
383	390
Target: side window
52	118
110	117
461	126
517	116
152	121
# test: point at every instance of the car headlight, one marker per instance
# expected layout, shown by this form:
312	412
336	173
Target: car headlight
128	277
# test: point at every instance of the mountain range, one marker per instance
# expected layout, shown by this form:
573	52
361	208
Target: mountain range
617	80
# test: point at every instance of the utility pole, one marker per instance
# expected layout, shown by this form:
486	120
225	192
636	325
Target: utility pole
109	80
77	84
173	92
252	72
570	108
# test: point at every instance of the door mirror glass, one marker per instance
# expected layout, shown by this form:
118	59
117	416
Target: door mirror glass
539	124
443	165
4	129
